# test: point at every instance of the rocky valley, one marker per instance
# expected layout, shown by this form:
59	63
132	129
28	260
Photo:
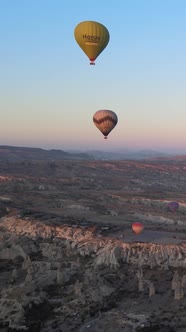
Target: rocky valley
69	260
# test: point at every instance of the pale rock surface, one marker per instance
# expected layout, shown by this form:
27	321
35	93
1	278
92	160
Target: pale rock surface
58	260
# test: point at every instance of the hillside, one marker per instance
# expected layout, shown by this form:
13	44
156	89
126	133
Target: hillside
14	153
69	260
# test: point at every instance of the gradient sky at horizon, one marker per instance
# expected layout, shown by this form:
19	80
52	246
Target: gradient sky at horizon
49	92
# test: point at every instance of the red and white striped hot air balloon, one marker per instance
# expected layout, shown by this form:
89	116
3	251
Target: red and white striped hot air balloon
137	227
105	121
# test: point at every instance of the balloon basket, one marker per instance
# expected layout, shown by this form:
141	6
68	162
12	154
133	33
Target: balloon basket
105	137
92	63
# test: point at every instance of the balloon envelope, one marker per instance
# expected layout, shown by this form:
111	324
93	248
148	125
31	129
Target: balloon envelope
92	37
137	227
105	121
173	206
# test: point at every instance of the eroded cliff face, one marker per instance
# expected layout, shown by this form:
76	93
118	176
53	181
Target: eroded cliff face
61	277
86	241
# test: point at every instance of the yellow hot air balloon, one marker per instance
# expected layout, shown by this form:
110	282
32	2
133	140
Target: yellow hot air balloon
92	37
105	121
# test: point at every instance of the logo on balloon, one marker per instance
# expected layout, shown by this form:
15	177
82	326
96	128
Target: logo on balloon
91	37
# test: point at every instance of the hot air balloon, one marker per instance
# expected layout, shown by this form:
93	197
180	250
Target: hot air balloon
137	227
92	37
105	121
173	206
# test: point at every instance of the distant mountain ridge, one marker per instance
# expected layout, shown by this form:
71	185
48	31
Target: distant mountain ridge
127	155
14	153
17	153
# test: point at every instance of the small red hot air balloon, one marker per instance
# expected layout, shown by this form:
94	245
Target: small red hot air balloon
137	227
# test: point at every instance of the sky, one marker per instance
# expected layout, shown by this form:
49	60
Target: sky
49	92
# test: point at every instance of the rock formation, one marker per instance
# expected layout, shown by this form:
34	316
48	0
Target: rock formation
41	261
